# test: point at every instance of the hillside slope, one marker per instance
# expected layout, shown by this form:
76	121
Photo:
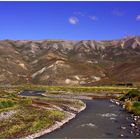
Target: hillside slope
60	62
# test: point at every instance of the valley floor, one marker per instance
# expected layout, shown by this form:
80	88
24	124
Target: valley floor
25	116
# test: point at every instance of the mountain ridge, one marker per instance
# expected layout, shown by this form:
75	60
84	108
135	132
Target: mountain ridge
62	62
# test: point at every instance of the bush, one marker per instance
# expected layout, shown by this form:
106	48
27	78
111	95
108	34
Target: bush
136	112
56	115
136	108
6	104
10	103
131	95
128	106
26	101
42	123
136	104
1	105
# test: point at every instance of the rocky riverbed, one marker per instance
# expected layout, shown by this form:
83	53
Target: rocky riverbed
135	123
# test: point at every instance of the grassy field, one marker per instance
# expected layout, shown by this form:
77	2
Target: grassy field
37	113
27	121
112	89
32	114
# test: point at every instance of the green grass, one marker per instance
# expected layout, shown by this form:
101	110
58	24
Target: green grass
133	95
56	115
28	121
133	107
132	101
136	108
78	88
6	104
136	105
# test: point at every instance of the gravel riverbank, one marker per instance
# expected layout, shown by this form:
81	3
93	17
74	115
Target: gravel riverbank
135	124
7	114
56	125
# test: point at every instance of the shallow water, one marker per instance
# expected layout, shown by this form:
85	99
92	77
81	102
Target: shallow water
32	92
101	119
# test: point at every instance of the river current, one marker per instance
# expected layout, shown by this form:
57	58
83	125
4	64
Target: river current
101	119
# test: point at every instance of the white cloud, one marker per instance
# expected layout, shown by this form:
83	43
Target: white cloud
73	20
118	12
94	18
138	18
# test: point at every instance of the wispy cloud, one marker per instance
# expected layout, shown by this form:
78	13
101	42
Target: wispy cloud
80	13
94	18
73	20
117	12
138	18
84	14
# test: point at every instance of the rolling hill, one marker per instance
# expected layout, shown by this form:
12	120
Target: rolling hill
64	62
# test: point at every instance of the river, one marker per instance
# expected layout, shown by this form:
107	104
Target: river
101	119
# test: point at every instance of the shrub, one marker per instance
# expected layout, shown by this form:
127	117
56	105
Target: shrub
136	112
131	95
56	115
42	123
136	108
6	104
26	101
10	103
1	105
128	106
136	104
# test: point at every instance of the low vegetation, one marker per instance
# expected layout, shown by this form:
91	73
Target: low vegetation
6	104
30	114
61	101
28	121
38	113
114	89
132	101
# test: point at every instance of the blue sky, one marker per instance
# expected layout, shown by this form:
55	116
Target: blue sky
69	20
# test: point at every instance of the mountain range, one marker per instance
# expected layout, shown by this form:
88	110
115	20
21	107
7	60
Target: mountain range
67	62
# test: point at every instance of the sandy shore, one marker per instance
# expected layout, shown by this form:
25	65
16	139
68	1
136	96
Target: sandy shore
56	125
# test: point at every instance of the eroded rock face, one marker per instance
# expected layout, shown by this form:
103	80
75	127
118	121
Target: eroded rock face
59	62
